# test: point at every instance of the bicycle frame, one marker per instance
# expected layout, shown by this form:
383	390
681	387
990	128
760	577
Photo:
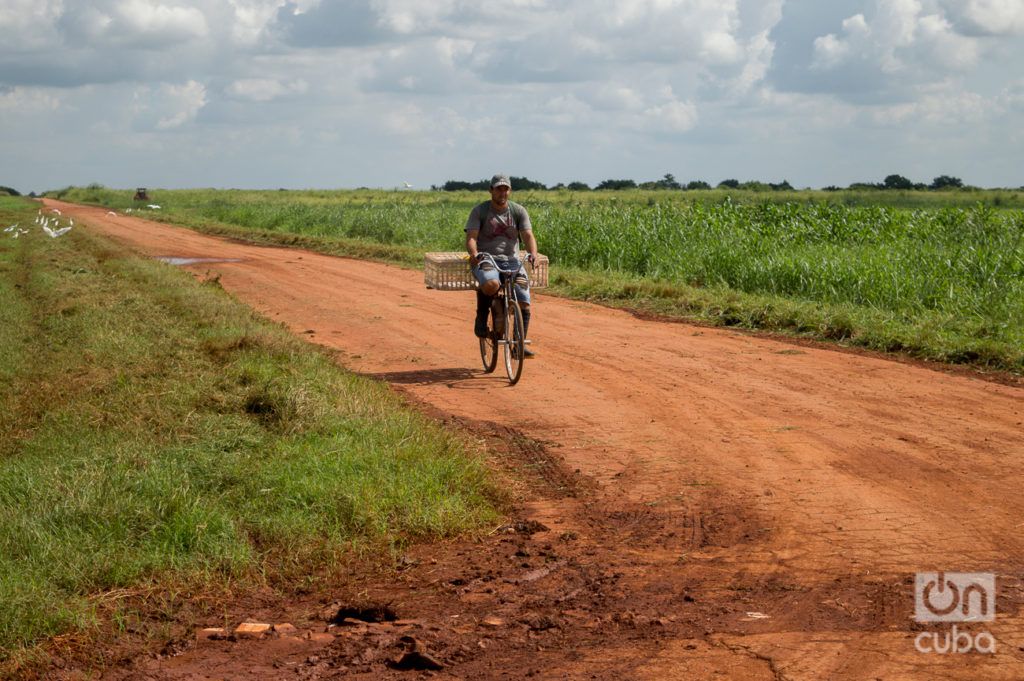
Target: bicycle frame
512	339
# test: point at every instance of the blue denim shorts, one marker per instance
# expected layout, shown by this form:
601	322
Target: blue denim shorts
486	272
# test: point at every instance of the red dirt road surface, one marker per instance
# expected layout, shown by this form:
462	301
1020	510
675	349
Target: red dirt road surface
702	503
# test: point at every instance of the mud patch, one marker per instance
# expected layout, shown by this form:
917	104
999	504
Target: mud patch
523	457
182	261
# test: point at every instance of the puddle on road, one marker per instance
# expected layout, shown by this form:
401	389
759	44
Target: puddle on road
174	260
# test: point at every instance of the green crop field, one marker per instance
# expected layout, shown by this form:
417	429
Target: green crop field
937	275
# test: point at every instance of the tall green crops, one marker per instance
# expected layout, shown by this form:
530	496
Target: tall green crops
965	262
940	267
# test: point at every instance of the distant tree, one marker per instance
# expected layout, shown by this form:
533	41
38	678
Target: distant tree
830	188
519	183
946	182
865	185
897	182
698	184
783	186
729	184
754	186
579	186
485	185
669	182
462	185
9	191
616	184
666	182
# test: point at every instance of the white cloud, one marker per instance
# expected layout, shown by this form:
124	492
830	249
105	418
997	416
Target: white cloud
671	117
1012	96
942	106
251	18
616	97
141	24
25	101
265	89
696	30
168	106
901	39
154	19
992	17
565	111
26	24
412	16
429	66
548	82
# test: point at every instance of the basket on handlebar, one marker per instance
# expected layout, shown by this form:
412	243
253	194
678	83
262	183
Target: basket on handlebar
449	271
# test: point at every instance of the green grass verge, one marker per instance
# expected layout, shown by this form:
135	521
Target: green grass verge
939	337
155	432
942	282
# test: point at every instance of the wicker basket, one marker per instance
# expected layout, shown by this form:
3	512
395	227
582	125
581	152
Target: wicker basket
449	271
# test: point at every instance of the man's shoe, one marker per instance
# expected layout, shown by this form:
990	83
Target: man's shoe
527	352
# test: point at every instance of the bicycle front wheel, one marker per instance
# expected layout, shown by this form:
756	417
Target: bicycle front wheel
514	342
489	352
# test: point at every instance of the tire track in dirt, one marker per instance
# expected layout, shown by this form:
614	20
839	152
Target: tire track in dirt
799	482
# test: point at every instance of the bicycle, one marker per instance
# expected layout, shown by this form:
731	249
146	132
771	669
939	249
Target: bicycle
506	325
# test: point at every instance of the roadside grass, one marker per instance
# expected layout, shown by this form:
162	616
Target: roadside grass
157	435
943	281
936	337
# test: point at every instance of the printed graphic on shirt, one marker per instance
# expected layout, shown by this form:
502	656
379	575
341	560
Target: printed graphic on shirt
500	225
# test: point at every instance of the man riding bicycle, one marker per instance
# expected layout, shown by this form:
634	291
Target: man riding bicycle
495	227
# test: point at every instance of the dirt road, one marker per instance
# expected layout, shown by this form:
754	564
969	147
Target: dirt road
743	508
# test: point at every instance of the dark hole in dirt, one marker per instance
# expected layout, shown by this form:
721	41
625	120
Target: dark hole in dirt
371	613
259	405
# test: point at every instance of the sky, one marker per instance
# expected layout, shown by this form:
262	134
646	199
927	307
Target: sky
379	93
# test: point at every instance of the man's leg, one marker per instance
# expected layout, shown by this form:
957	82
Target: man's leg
483	306
489	285
527	352
523	293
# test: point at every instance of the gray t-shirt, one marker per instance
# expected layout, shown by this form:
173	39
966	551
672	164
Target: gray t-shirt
499	232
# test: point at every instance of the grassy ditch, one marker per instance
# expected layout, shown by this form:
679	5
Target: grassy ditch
944	282
154	433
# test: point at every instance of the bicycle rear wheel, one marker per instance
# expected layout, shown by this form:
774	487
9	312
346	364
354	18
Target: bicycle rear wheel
513	342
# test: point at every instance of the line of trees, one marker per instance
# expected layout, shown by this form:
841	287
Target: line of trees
668	181
902	183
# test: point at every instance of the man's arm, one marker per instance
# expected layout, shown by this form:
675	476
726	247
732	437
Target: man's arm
471	236
531	244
